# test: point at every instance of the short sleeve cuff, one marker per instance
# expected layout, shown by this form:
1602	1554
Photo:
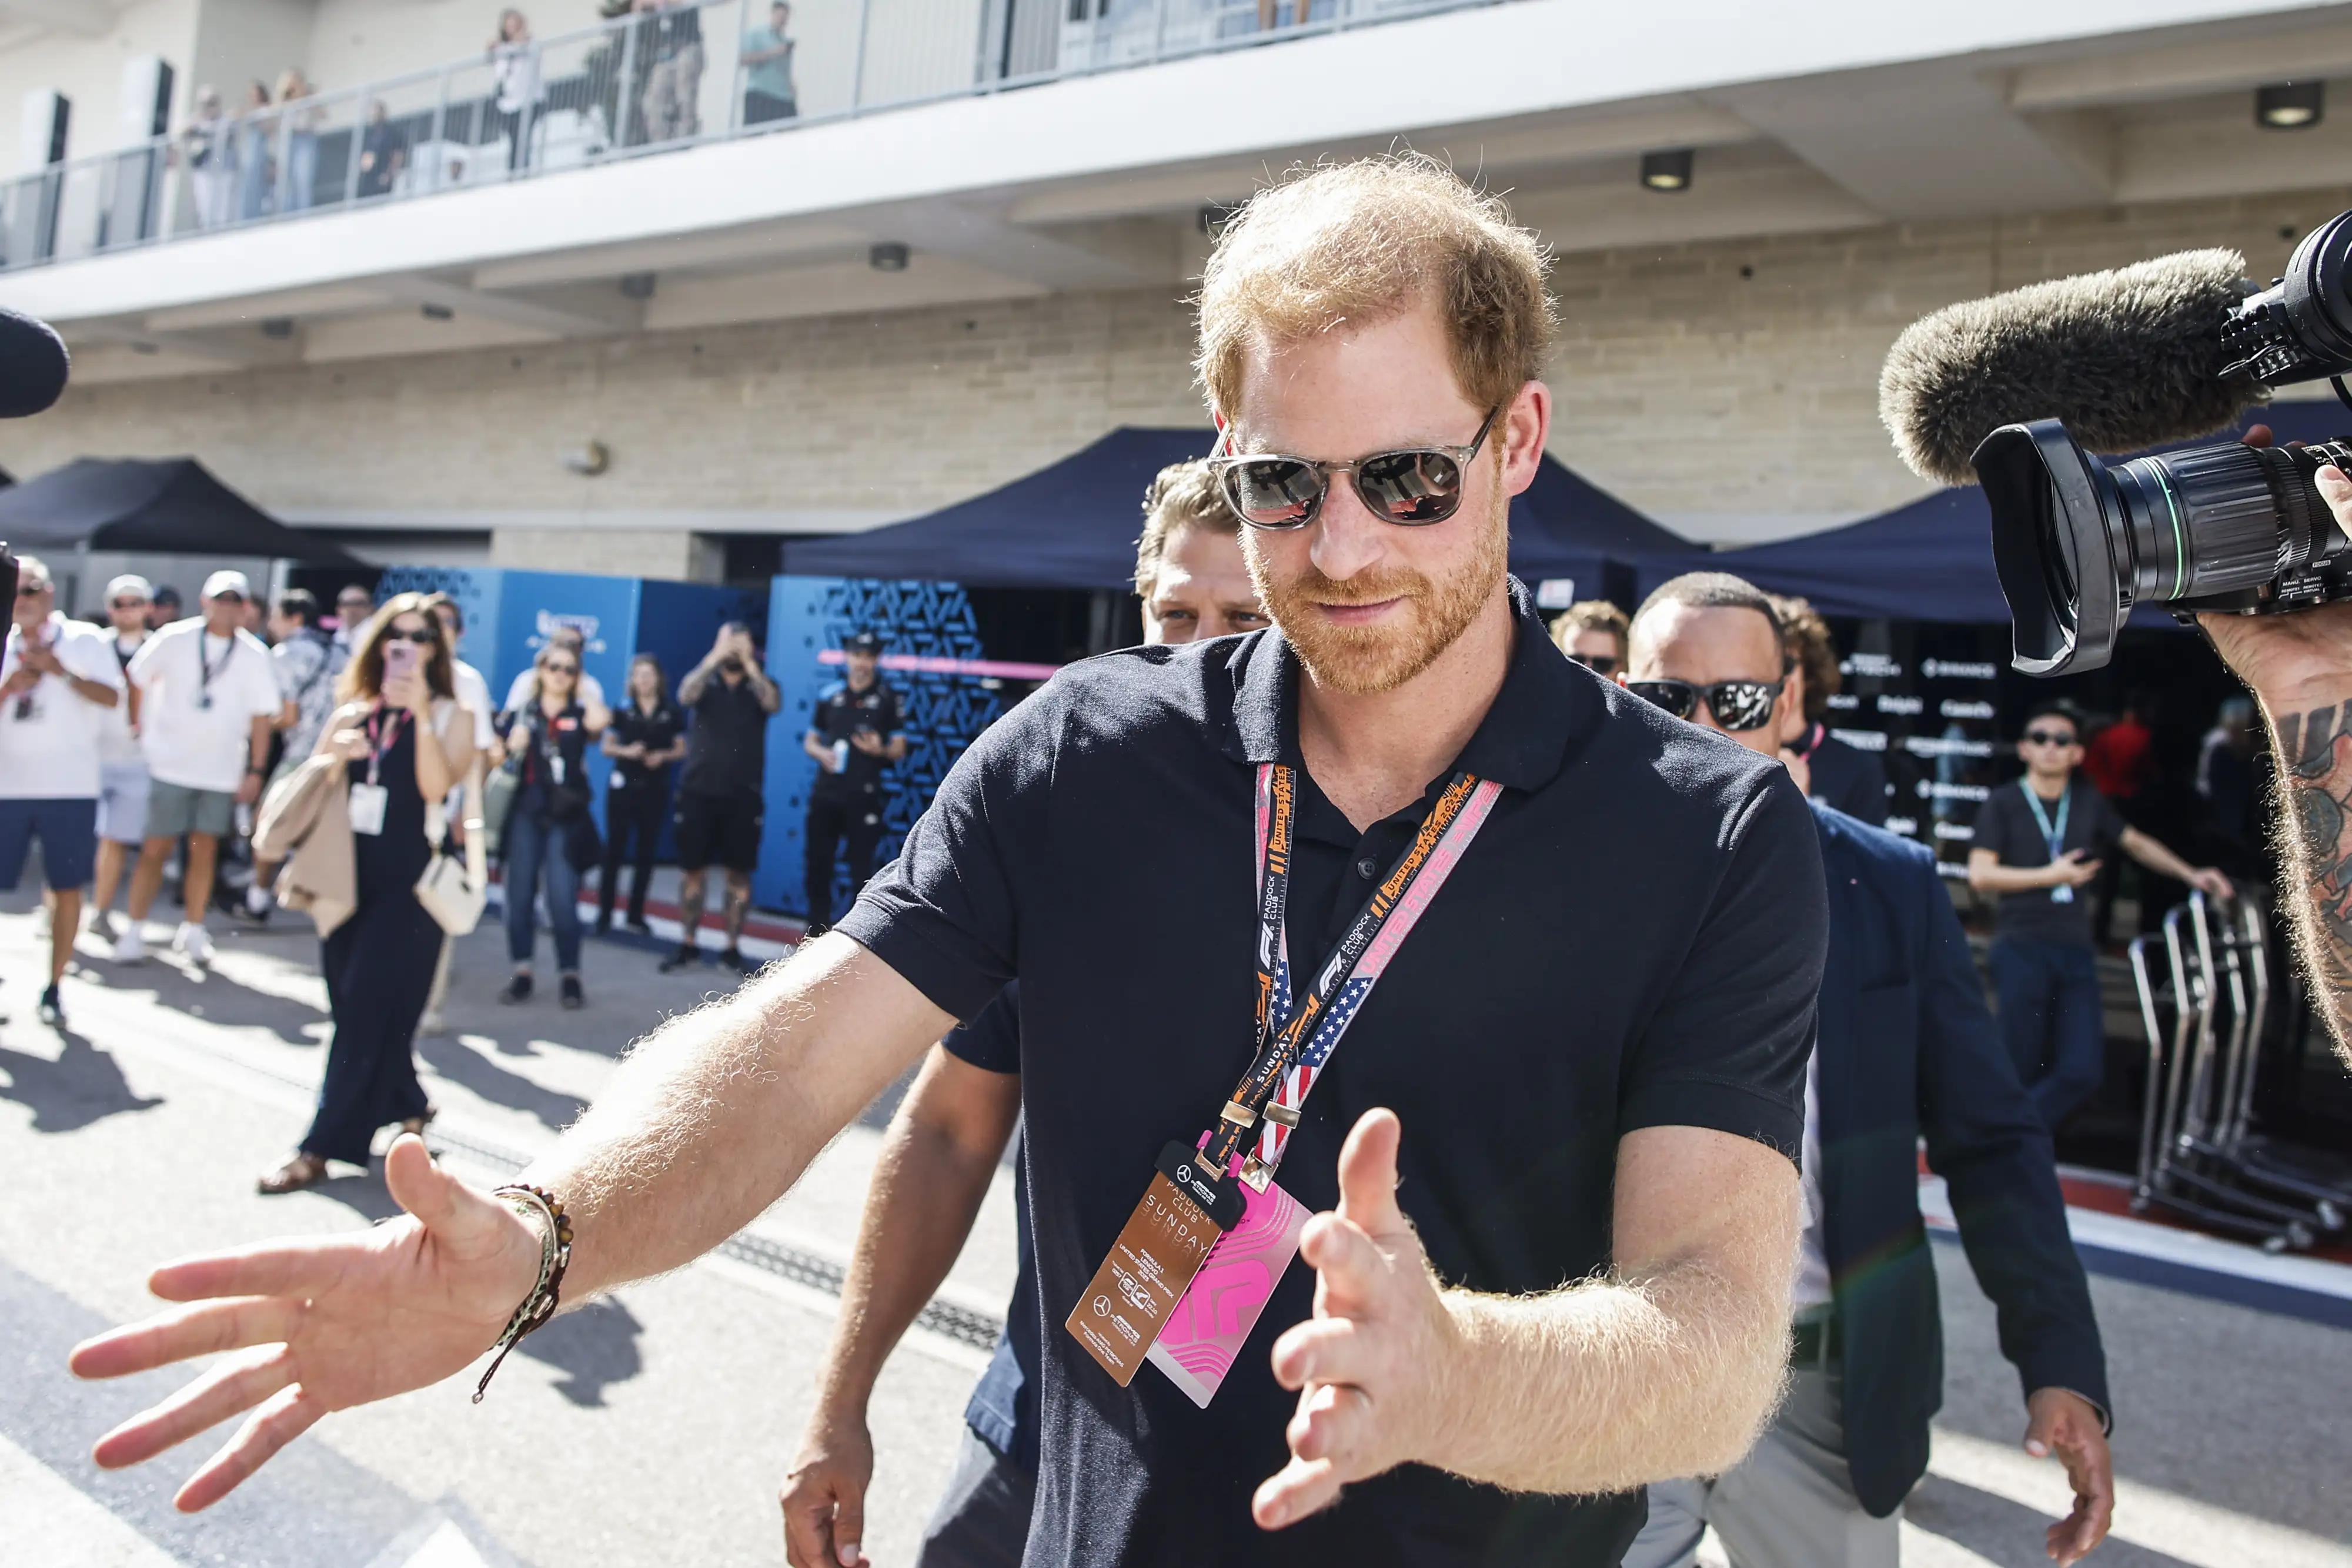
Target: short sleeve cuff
1720	1106
928	952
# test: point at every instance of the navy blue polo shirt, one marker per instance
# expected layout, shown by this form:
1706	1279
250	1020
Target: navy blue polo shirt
1003	1407
1635	939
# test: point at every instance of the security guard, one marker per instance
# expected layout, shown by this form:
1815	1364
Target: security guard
857	728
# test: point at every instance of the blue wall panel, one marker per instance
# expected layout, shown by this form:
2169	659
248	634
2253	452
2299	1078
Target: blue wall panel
808	615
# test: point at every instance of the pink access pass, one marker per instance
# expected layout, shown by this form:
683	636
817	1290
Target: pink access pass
1197	1345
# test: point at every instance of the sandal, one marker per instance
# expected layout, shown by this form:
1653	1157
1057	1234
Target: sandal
303	1170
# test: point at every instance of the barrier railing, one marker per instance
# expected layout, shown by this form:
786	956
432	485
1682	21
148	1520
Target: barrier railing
684	74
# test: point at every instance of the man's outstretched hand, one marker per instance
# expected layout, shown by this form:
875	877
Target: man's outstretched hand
1372	1363
319	1324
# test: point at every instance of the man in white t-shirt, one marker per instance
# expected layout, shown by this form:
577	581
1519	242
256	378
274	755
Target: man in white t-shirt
57	683
592	690
208	700
121	769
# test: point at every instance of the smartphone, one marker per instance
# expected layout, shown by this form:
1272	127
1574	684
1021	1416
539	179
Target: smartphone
399	659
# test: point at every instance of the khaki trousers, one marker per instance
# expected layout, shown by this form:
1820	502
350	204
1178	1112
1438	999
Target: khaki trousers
1788	1504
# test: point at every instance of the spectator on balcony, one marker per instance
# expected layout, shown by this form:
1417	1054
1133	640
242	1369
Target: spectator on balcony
674	86
298	181
767	90
382	152
514	59
211	141
255	129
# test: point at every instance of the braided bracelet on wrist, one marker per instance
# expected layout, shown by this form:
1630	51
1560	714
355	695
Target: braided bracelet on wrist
554	1257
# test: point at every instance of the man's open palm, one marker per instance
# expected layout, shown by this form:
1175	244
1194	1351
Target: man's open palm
319	1324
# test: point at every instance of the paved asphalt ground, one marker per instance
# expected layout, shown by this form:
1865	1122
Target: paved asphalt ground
653	1427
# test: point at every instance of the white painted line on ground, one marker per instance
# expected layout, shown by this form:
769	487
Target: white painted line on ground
2200	1533
53	1523
2170	1244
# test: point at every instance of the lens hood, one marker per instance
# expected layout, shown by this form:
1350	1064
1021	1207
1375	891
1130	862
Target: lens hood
2050	547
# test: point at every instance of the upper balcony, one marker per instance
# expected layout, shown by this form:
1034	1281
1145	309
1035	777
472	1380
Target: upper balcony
668	171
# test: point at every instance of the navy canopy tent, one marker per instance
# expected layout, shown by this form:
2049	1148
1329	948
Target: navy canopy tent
1073	525
1932	559
170	506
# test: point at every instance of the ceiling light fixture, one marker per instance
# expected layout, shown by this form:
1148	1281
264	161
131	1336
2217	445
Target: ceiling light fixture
1669	170
2290	105
887	256
437	312
636	285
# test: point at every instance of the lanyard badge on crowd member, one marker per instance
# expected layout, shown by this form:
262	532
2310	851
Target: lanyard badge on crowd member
369	800
2054	836
1200	1257
207	669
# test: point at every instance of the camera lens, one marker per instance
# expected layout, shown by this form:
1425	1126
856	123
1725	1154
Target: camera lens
2077	543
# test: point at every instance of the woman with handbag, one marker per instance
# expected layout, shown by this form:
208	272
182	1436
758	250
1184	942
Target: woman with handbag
545	743
403	742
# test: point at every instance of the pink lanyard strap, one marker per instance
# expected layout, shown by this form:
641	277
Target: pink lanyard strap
1452	840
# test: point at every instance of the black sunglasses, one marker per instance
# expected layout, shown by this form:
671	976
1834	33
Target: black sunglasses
555	669
1736	705
31	590
2049	737
1412	487
1599	664
397	636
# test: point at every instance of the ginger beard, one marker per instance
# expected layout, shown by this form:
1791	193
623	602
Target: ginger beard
1362	661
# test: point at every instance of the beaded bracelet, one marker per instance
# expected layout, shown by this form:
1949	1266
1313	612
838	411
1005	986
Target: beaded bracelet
554	1257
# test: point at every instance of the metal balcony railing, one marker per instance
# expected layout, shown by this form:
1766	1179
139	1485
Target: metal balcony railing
676	75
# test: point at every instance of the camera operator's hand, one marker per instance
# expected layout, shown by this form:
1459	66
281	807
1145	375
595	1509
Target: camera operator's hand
2072	870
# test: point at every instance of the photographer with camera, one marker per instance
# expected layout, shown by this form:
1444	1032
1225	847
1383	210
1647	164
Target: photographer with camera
2252	540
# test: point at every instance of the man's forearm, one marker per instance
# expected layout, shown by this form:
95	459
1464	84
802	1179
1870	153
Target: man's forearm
919	1211
1608	1384
713	1116
2315	778
2007	878
689	690
2157	856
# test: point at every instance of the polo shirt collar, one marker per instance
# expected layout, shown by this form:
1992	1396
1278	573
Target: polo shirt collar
1545	712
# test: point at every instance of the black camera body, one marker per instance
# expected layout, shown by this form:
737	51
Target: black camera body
2077	541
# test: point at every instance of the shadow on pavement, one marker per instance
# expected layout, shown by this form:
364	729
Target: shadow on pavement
208	993
469	1069
2005	1532
593	1347
83	1086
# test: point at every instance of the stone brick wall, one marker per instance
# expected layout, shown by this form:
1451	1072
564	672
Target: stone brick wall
1728	388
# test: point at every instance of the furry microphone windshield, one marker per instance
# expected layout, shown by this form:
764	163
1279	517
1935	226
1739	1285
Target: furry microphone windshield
2127	358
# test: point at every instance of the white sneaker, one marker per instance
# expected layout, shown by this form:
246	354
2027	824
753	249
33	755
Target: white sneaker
129	946
194	942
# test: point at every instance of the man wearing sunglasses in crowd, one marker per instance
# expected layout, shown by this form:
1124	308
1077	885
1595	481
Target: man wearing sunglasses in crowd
2039	843
1255	891
1592	632
1906	1049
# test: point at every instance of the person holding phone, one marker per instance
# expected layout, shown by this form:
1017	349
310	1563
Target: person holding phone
547	737
404	740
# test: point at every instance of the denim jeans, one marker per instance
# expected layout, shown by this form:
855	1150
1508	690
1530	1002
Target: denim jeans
2049	1020
534	846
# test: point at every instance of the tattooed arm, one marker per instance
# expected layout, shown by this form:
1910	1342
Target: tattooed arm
2299	667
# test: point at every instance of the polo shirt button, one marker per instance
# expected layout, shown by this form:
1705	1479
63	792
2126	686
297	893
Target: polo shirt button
1367	868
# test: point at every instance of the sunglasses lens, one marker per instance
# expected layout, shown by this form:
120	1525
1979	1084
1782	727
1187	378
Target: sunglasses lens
1411	487
1273	492
1741	705
1599	664
1676	698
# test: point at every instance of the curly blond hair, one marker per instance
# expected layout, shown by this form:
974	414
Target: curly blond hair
1181	496
1807	637
1364	241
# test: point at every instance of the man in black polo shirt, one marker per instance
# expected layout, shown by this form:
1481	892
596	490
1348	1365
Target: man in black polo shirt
856	731
1605	1094
719	802
2039	841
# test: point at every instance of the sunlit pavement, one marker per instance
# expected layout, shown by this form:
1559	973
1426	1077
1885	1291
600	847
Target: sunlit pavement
653	1427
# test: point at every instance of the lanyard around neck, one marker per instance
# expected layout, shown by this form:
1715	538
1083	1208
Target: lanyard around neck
383	734
2054	836
1295	1041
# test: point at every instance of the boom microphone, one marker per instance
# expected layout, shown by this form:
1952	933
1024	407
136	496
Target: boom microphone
32	366
2127	359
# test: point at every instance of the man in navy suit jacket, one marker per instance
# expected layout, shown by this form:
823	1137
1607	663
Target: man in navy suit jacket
1906	1048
